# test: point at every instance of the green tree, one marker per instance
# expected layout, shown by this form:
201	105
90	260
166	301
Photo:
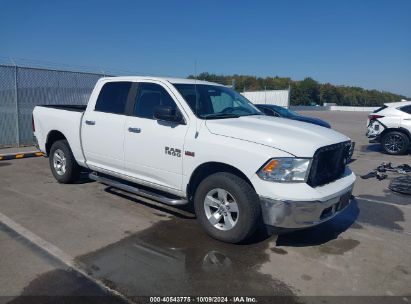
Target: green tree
307	91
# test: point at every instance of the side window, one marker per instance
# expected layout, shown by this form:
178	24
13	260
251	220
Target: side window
151	95
113	97
406	109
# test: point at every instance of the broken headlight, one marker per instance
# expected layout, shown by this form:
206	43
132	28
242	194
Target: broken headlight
287	169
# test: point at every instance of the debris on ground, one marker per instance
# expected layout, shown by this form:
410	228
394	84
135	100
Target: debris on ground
379	172
402	169
375	173
401	184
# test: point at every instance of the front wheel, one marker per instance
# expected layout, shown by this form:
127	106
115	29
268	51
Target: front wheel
227	207
395	143
62	163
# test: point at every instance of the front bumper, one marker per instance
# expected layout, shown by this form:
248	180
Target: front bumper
294	215
307	206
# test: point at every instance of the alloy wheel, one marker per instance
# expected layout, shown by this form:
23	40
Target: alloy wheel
59	162
221	209
394	143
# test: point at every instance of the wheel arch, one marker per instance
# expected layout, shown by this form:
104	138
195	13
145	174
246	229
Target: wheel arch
400	129
407	132
206	169
52	137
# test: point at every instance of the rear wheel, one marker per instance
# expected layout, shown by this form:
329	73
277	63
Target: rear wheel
395	143
227	207
62	163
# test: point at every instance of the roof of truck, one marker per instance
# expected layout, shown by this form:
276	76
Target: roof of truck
168	79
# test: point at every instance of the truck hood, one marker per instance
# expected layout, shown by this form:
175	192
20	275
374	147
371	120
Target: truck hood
298	138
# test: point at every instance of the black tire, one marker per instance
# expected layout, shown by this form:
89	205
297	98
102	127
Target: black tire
402	140
249	212
72	169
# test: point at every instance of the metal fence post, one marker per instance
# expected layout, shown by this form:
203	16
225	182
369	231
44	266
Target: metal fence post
16	101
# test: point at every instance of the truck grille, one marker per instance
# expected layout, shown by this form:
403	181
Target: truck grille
329	164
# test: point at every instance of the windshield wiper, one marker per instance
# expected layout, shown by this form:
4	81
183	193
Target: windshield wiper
220	116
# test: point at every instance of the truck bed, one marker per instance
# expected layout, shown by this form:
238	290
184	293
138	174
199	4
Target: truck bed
64	119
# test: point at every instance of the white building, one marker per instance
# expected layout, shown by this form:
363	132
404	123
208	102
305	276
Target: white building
276	97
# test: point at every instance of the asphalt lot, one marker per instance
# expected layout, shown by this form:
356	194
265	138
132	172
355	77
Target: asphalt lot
140	247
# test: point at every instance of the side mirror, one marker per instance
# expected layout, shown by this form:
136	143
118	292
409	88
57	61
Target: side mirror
167	113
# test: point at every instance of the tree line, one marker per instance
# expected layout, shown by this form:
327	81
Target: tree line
307	91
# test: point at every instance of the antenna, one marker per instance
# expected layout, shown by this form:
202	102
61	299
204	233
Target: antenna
195	84
196	93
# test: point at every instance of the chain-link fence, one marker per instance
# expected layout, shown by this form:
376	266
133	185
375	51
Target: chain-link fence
22	88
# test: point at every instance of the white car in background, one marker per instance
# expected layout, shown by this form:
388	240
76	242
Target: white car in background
390	125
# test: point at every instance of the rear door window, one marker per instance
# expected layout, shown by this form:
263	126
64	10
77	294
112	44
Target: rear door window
113	97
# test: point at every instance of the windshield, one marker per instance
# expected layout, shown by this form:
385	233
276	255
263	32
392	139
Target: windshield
215	102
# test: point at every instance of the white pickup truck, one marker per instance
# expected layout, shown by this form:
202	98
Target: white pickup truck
181	141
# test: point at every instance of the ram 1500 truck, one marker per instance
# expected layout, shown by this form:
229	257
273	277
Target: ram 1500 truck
181	141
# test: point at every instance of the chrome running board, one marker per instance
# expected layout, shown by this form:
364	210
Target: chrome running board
135	190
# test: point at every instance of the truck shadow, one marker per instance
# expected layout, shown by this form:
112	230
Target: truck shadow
324	232
83	179
183	212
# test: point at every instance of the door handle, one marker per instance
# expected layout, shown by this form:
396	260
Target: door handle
90	122
134	130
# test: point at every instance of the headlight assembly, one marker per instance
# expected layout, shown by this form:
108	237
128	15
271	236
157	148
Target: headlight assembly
287	169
